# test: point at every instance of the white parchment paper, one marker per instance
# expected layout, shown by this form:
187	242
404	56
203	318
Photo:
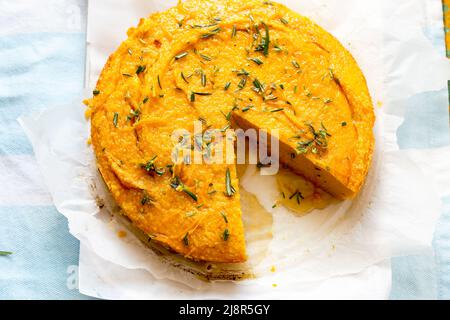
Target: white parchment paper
340	252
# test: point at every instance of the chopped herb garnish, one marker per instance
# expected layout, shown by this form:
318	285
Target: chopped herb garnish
5	253
256	60
282	86
130	52
96	92
205	57
181	55
284	21
224	216
226	235
146	199
319	141
179	186
277	48
233	31
270	97
298	196
227	86
265	41
229	189
186	239
295	89
211	33
295	64
277	110
344	124
203	77
242	83
258	86
245	109
327	100
202	93
159	81
115	119
183	77
225	128
134	114
151	167
145	100
140	69
127	75
227	116
242	72
192	97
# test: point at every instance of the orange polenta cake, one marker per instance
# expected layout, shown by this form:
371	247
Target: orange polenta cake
227	63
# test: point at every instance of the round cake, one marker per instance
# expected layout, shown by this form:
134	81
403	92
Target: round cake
228	64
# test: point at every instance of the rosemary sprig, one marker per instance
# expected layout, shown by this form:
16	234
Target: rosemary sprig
203	79
229	189
186	239
146	199
256	60
211	33
265	41
183	77
176	184
227	116
242	83
159	82
242	72
277	48
226	234
115	119
227	86
134	115
224	216
298	196
140	69
181	55
318	143
205	57
150	167
202	93
233	31
259	86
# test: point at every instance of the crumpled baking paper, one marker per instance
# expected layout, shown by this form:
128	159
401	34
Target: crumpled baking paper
340	252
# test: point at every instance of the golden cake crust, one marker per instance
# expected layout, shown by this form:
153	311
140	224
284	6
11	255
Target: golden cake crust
157	81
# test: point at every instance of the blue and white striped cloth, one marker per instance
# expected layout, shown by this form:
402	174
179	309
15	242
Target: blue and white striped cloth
42	54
